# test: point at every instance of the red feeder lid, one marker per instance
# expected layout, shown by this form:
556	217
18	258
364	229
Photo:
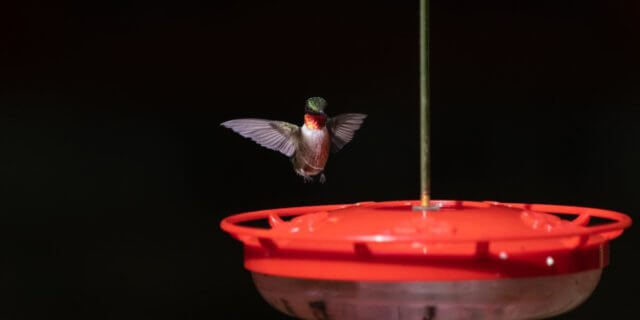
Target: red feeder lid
461	240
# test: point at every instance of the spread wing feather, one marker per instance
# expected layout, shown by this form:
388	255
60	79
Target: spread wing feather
275	135
342	128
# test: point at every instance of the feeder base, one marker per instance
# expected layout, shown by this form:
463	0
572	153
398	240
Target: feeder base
520	298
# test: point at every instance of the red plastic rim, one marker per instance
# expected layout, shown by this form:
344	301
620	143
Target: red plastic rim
389	241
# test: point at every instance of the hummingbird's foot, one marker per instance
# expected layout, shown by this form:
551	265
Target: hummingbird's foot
323	178
307	179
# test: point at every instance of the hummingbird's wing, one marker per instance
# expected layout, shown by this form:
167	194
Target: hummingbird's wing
342	128
275	135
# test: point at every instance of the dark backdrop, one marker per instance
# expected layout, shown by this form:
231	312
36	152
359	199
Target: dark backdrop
115	172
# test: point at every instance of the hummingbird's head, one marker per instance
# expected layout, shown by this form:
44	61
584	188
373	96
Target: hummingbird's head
315	105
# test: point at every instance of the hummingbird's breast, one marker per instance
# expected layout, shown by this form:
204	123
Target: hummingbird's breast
314	150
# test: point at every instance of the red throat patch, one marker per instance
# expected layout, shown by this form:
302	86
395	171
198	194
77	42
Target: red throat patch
315	121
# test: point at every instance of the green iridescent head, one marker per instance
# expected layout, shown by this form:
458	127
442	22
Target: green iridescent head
316	105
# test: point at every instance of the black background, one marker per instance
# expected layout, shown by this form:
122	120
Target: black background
115	172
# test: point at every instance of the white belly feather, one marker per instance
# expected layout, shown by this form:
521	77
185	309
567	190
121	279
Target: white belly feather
313	139
316	146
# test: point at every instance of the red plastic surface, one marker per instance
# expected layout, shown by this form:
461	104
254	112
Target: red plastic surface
389	241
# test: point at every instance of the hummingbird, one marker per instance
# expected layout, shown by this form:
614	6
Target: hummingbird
307	146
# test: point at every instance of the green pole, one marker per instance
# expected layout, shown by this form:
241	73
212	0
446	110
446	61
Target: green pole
425	175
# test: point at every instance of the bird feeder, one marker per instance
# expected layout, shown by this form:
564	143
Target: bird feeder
426	259
459	260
